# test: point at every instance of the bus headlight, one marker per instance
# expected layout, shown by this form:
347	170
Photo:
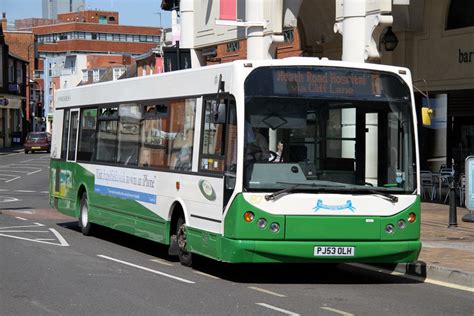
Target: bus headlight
389	229
262	223
248	216
275	227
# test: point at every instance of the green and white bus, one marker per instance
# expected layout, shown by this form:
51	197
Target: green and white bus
292	160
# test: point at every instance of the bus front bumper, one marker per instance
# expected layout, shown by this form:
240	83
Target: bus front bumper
263	251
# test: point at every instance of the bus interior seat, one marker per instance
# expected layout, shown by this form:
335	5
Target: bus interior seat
298	153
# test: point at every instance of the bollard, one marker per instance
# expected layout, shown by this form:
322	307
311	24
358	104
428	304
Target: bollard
453	222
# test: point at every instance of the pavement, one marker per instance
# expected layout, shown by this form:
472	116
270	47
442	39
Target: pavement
447	253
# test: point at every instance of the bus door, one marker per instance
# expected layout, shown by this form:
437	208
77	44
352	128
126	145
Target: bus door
219	142
72	140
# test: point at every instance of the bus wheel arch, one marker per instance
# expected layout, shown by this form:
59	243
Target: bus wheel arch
178	235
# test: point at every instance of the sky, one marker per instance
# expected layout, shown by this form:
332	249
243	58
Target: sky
131	12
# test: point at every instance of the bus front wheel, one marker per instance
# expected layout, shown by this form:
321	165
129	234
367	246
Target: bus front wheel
185	257
84	223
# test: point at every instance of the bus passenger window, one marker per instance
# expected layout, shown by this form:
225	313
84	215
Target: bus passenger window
107	135
87	134
130	116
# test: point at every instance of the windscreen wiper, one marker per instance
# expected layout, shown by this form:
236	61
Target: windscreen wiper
336	189
274	195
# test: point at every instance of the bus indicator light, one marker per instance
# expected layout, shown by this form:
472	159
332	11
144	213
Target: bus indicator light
249	216
411	217
178	185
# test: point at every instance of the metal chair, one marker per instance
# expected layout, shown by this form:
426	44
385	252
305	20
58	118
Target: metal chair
427	186
445	175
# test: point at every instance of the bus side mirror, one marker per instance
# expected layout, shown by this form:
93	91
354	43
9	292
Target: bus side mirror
426	115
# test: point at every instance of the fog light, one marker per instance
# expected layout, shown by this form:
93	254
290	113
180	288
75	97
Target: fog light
248	216
411	217
274	227
262	223
401	224
389	228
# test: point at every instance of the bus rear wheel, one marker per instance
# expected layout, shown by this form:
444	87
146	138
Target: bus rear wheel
185	257
84	223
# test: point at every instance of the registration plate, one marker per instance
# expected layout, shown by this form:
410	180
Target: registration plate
35	147
321	251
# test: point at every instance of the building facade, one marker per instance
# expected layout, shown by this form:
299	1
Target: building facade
12	94
435	41
51	8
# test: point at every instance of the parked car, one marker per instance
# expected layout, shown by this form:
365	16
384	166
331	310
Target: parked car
37	141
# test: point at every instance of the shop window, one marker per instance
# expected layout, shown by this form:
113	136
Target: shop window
19	72
460	14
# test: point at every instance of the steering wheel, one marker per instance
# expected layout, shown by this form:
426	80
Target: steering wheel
273	156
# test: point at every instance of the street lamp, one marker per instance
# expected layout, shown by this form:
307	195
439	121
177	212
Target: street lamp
389	40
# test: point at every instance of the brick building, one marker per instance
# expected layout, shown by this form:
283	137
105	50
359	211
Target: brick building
80	47
13	89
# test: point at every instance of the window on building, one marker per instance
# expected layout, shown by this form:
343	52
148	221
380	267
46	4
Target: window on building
142	38
96	75
102	36
19	72
233	46
136	38
111	18
94	36
85	75
460	14
117	72
109	37
116	37
102	19
123	37
288	35
62	36
81	35
11	71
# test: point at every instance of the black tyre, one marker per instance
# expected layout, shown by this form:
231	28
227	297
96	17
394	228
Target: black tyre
185	257
26	152
84	224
